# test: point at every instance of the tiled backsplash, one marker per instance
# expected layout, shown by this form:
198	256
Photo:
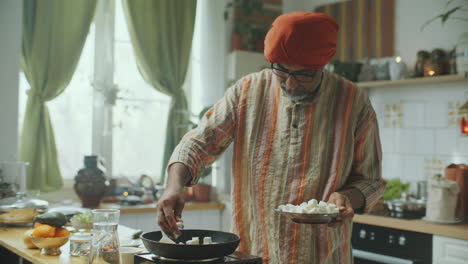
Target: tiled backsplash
419	129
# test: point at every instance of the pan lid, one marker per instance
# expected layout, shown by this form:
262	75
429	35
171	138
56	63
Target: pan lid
21	201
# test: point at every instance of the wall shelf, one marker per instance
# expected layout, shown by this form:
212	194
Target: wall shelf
414	81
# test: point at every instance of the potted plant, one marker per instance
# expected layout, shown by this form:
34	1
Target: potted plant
248	31
456	11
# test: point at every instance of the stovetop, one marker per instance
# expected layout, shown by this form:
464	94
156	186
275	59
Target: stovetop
235	258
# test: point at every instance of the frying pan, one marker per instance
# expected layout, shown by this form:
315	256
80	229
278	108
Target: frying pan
224	244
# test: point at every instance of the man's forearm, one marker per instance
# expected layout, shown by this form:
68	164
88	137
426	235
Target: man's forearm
355	197
179	176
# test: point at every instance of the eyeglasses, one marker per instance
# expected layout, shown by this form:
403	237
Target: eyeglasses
300	76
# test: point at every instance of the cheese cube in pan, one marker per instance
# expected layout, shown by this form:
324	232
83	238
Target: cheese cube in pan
207	241
166	240
193	242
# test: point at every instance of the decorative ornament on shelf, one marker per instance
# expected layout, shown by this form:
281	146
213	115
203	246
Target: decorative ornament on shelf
437	64
422	59
398	69
463	111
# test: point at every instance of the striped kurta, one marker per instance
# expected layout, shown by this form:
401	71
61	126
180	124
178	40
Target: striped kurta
289	152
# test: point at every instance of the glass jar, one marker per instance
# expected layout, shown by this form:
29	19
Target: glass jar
80	242
105	247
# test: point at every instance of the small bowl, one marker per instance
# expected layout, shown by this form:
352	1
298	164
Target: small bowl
49	246
127	254
77	225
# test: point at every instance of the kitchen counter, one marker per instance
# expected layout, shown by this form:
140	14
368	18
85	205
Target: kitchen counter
148	208
11	238
459	231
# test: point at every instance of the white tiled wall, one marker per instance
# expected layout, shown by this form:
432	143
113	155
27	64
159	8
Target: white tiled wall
419	129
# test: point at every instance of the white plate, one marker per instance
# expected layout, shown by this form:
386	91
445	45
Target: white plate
310	218
130	243
455	221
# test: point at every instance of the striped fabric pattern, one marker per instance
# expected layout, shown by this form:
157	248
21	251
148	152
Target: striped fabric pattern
289	152
366	28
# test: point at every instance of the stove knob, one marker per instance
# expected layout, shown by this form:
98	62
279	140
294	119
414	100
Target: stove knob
372	236
362	234
402	240
391	239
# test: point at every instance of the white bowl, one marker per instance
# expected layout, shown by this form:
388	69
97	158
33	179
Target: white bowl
77	225
127	254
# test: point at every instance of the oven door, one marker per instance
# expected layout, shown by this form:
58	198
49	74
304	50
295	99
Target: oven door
366	257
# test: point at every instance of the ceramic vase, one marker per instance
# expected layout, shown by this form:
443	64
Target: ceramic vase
90	183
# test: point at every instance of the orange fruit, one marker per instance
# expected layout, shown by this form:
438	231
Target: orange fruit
44	231
62	232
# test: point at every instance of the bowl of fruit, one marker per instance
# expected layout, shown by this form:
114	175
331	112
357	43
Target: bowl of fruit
48	233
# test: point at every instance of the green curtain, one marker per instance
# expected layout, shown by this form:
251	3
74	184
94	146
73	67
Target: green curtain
54	32
161	32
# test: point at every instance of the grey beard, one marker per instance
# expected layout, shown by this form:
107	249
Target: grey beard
304	94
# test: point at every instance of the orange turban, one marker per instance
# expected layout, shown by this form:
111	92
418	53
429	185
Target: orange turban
302	38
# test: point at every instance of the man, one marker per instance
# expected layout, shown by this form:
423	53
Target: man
299	132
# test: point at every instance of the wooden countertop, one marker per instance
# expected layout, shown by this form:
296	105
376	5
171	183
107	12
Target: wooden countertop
459	231
12	239
149	208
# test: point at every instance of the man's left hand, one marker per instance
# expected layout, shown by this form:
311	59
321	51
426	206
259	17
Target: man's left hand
343	202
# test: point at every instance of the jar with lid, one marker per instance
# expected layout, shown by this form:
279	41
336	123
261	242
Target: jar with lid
80	242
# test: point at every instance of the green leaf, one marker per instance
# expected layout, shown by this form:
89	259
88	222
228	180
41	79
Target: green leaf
443	17
446	15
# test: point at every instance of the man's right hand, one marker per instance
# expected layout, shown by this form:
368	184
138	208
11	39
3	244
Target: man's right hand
169	209
171	203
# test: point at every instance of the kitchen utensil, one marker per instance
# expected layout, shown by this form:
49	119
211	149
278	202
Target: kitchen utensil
234	258
422	190
310	218
406	207
20	210
223	244
180	225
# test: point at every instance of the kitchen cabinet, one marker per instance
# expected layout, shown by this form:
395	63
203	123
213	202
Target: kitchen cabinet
447	250
193	219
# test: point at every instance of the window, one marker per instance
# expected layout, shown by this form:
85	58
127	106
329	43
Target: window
139	114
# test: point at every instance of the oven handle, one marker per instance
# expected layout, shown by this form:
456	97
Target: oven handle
380	258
